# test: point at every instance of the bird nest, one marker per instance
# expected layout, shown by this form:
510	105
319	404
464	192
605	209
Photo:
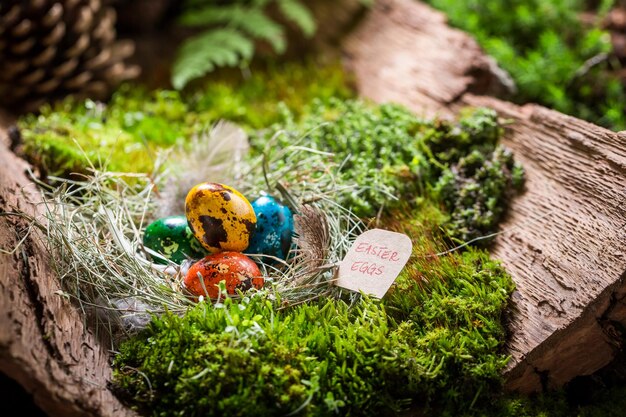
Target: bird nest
93	227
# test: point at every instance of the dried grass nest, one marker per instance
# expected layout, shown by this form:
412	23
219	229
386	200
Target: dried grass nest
92	227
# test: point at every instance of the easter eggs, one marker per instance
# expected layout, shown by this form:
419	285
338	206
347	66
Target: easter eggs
172	238
220	217
236	269
274	228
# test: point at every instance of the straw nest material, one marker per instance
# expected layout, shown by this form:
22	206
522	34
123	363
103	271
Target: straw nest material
92	227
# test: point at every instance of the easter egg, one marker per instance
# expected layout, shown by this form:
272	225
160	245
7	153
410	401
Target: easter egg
236	269
172	238
274	228
220	217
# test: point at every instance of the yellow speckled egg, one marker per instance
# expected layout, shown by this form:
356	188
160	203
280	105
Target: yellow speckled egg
220	217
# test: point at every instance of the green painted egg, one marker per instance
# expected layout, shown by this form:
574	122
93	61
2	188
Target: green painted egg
172	238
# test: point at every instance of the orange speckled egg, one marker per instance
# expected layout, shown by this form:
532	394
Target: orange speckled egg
220	217
239	272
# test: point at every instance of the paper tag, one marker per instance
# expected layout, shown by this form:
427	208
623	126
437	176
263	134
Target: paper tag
374	261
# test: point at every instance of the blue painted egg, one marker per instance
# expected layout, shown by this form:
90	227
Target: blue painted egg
274	228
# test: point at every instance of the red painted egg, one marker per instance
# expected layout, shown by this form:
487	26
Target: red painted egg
239	272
